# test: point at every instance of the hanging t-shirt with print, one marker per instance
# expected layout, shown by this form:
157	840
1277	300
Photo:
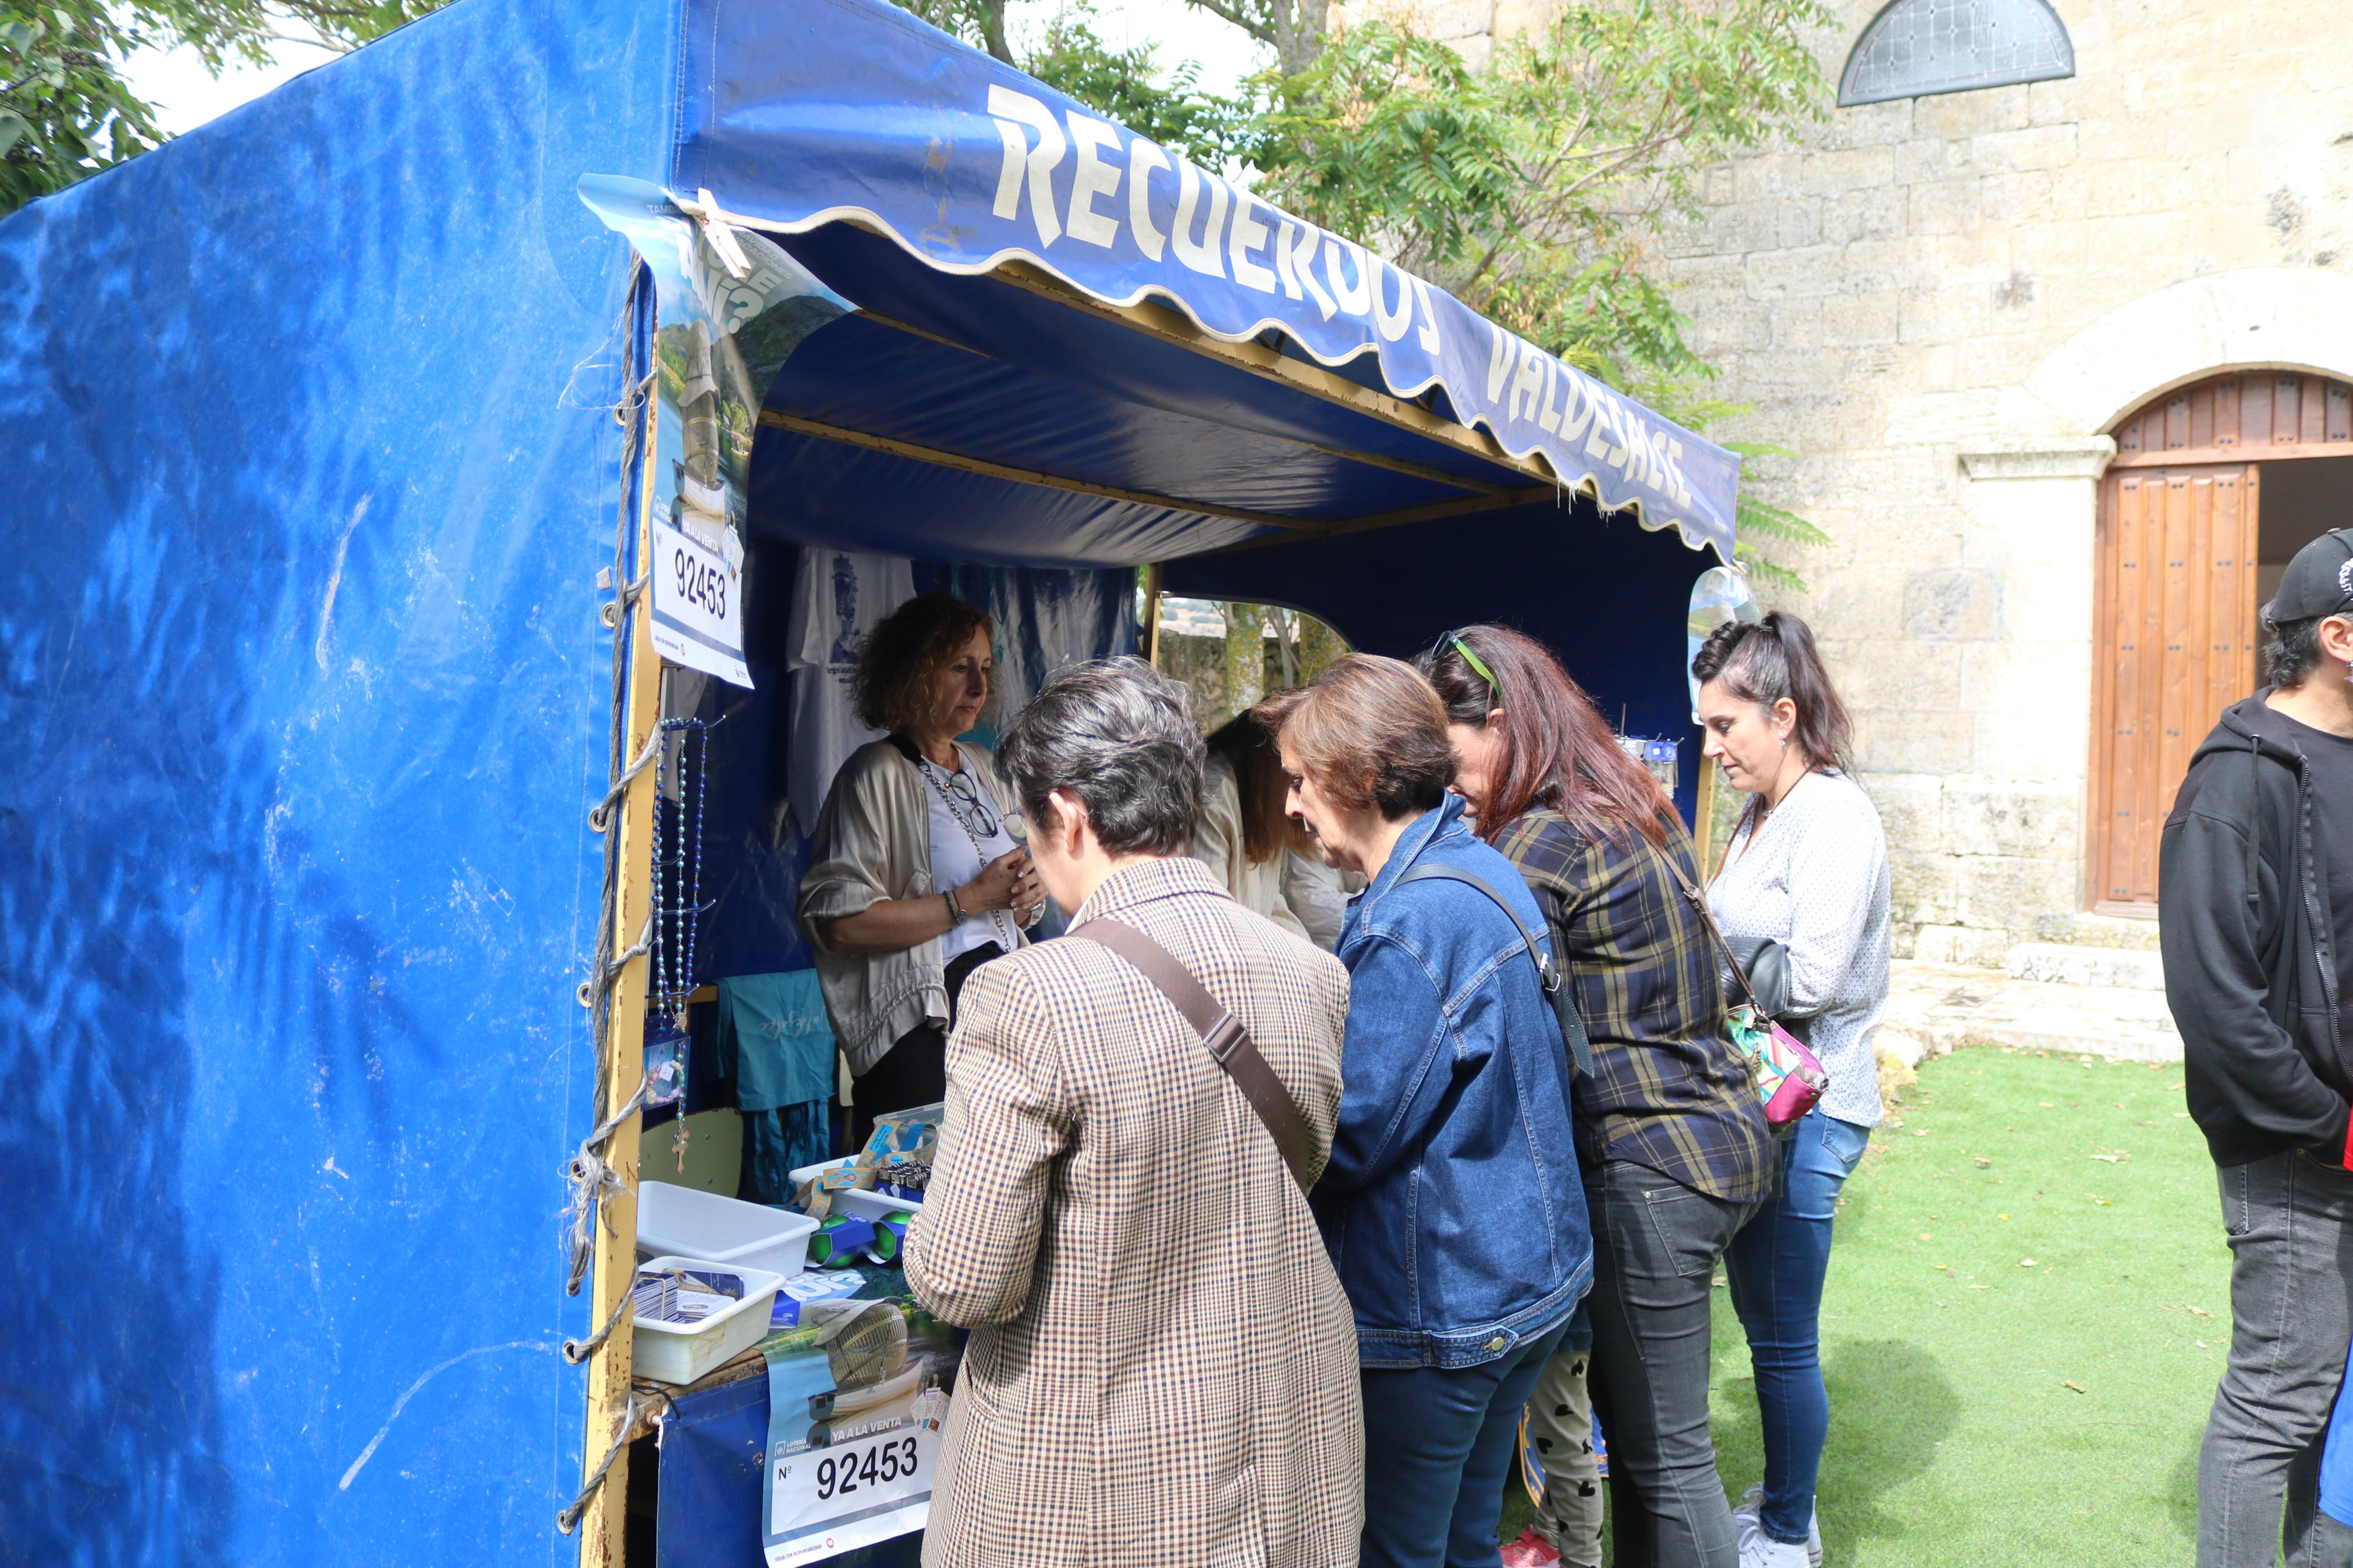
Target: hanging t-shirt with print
837	598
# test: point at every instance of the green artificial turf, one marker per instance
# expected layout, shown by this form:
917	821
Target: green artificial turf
2027	1310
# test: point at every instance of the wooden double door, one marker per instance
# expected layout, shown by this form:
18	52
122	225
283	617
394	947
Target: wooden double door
2175	640
2180	563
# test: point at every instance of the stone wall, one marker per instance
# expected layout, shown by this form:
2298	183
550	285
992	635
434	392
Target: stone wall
1941	304
1882	293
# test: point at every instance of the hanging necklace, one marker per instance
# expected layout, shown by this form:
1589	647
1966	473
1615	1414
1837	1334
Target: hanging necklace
979	820
677	911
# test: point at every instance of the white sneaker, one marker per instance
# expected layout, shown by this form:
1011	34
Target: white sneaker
1745	1519
1761	1551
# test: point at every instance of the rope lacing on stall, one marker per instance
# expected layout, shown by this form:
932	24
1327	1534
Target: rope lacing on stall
642	1402
614	608
592	1179
601	816
577	1351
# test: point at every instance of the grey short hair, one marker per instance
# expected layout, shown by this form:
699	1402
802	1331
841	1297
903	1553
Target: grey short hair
1119	735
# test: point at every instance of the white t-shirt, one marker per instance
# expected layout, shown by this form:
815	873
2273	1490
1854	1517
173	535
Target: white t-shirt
837	598
959	851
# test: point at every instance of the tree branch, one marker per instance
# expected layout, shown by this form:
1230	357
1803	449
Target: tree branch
1261	30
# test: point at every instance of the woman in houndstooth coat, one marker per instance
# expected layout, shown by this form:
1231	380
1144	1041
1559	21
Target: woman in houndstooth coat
1163	1367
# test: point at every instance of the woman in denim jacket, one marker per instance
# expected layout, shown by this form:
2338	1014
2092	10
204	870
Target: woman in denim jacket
1452	1206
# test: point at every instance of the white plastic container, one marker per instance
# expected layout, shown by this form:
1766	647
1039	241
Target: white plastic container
872	1206
681	1352
851	1200
691	1223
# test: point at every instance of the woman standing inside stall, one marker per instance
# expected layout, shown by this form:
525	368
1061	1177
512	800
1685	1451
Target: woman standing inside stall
913	880
1803	896
1673	1144
1256	852
1451	1206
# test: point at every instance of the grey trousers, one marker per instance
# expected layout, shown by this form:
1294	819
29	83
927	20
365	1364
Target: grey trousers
1560	1418
1656	1243
2289	1220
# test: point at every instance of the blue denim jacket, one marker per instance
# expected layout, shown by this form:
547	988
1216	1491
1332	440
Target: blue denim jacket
1452	1207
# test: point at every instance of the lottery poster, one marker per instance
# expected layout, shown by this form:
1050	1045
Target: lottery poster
857	1391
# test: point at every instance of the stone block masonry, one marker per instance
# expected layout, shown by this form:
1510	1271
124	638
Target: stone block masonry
1941	304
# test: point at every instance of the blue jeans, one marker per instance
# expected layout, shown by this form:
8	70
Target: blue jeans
1439	1445
1776	1265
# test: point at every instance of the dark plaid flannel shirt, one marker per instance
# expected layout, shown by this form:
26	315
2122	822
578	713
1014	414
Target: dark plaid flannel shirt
1670	1091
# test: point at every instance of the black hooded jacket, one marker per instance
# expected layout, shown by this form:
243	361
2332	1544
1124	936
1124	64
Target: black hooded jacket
2250	951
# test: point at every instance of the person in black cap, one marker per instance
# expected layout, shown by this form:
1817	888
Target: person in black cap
2255	906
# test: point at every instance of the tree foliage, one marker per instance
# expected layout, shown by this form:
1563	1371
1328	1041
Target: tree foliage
1294	29
1533	189
1129	85
1764	529
66	110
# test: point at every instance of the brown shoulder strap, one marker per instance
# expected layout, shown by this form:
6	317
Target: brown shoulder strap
1224	1035
1707	918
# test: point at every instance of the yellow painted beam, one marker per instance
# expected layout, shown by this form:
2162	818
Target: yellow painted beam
602	1535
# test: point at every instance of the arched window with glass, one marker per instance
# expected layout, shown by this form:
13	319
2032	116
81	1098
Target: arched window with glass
1917	48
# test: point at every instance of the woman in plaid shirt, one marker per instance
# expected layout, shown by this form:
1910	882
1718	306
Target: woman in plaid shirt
1673	1145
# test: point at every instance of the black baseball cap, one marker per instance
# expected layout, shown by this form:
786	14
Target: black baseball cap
2318	582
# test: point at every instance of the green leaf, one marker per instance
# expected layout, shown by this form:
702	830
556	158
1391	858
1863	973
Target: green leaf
78	114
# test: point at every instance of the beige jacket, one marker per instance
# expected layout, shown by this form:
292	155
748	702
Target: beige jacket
873	842
1163	1366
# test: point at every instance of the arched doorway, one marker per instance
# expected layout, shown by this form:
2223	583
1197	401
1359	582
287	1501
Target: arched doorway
2213	487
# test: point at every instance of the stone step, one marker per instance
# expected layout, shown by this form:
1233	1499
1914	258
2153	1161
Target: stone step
2065	963
1934	1008
2108	931
2095	1020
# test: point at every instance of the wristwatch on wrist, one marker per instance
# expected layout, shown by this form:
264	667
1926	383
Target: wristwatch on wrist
956	916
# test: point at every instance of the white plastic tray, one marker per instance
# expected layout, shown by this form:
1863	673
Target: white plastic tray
681	1352
852	1200
691	1223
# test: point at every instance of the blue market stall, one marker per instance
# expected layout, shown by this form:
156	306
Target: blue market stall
386	461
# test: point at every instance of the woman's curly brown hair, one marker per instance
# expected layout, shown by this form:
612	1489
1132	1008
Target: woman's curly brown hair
899	658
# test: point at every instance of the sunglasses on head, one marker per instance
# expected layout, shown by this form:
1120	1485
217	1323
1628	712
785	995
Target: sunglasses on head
1478	665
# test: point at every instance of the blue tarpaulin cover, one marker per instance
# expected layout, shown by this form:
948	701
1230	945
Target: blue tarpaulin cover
310	468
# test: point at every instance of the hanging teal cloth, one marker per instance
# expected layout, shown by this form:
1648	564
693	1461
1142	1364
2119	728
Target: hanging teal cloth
774	1042
773	1030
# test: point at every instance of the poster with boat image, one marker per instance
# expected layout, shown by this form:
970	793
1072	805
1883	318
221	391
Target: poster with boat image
856	1394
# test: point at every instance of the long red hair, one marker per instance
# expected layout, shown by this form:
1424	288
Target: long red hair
1558	751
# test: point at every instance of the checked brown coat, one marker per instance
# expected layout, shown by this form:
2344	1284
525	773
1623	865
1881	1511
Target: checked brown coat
1163	1367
